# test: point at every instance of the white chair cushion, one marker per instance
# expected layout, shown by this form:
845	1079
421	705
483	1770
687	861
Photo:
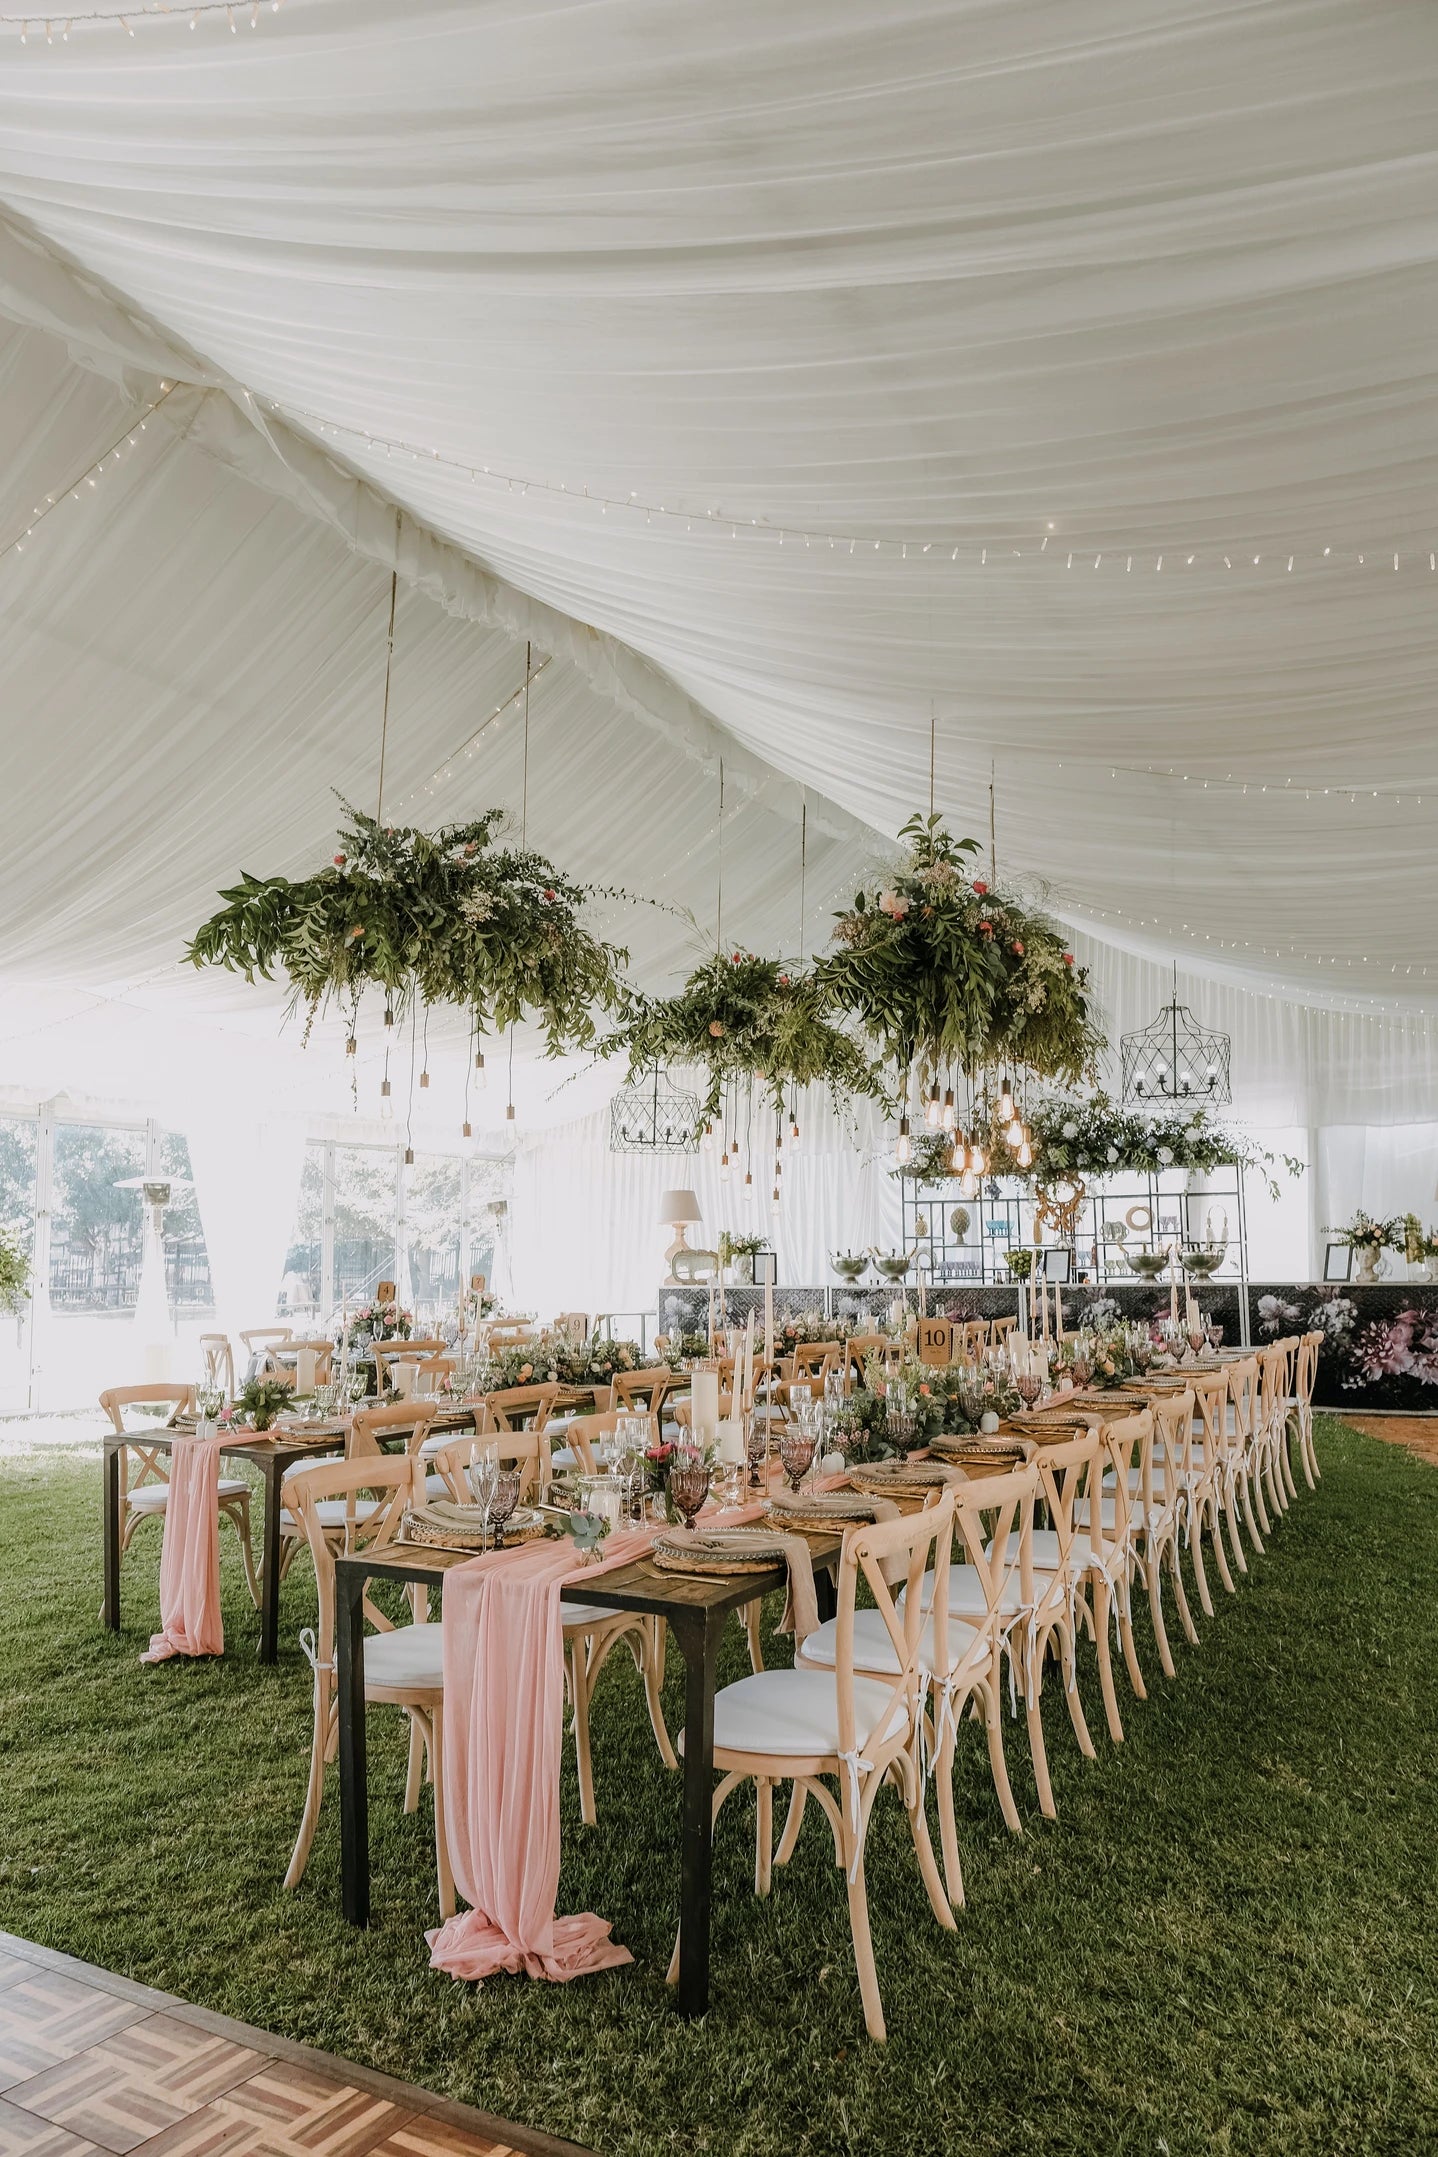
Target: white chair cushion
436	1487
410	1655
332	1513
874	1650
796	1713
563	1459
151	1497
585	1613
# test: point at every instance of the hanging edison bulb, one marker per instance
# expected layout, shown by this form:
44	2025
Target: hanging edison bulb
1026	1155
1014	1136
794	1131
706	1139
509	1113
389	1014
968	1184
774	1201
466	1137
479	1074
724	1162
978	1160
409	1157
386	1101
951	1114
424	1078
959	1158
932	1107
1006	1102
351	1046
904	1151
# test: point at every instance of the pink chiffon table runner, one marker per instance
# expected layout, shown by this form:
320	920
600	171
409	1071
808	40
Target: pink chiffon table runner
503	1714
190	1622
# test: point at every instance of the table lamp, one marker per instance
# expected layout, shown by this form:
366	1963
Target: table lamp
678	1210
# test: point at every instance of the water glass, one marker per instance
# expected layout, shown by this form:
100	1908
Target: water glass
688	1482
796	1454
506	1498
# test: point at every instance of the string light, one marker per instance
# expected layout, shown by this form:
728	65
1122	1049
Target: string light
902	548
126	440
1294	789
142	11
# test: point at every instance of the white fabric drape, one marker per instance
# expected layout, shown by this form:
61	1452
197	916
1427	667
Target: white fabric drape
246	1182
586	1228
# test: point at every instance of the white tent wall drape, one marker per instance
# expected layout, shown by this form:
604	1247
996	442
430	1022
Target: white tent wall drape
585	1221
247	1178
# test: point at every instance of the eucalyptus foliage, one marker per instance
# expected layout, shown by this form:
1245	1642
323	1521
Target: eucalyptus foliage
941	971
739	1017
443	917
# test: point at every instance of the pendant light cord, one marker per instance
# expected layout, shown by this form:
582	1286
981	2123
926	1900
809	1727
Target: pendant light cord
388	668
719	877
803	866
524	777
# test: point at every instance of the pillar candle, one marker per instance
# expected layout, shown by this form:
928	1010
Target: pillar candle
704	1394
1058	1315
305	1362
768	1362
1172	1287
731	1442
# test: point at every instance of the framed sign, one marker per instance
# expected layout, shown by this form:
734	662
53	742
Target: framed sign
1338	1262
766	1269
1056	1262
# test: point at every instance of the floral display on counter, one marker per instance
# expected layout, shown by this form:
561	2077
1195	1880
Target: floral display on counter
1384	1348
369	1322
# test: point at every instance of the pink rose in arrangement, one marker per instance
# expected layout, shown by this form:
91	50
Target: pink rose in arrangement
980	889
893	904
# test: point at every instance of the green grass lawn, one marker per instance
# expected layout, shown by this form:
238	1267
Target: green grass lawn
1227	1942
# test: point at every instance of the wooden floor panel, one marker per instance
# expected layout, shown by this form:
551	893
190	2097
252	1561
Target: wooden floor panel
110	2069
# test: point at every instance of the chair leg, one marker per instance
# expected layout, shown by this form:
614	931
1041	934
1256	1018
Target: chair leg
1103	1596
1180	1593
1195	1546
763	1834
441	1833
1130	1650
994	1732
1068	1666
751	1614
579	1696
1153	1581
314	1789
859	1926
913	1785
651	1670
238	1510
793	1821
414	1767
948	1824
1253	1511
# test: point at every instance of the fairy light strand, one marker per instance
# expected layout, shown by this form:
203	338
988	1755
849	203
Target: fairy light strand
127	439
1044	548
49	30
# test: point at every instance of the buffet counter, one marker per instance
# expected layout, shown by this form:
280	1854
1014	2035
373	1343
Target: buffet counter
1380	1339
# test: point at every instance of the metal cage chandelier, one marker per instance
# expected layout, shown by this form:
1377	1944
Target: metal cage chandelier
656	1118
1175	1059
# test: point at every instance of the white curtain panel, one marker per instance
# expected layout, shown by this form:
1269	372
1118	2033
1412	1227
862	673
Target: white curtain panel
247	1177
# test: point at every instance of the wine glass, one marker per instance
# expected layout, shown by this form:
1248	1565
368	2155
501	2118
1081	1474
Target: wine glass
796	1454
482	1476
358	1385
688	1482
1213	1333
1029	1385
209	1400
506	1498
756	1446
1081	1367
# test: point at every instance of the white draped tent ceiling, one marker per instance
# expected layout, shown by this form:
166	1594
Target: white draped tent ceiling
765	369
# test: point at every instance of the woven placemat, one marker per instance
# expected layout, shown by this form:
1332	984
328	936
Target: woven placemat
822	1510
889	1478
733	1550
449	1526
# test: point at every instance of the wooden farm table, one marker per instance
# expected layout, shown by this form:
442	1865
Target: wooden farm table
696	1609
291	1446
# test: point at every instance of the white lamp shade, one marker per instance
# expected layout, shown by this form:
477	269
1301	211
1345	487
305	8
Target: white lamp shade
677	1208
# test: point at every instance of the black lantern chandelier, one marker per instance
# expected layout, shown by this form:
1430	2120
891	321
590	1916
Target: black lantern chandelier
1175	1059
656	1118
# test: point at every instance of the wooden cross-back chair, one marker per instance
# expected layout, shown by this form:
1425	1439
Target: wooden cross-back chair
857	1350
1245	1448
646	1389
219	1361
1275	1389
1298	1409
808	1726
403	1665
1000	1329
145	1470
387	1353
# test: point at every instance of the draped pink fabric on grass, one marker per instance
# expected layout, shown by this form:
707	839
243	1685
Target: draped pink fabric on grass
190	1622
503	1724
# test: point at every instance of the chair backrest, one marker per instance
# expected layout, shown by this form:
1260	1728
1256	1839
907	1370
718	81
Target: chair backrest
529	1450
1305	1370
1243	1393
219	1360
1001	1328
265	1336
646	1388
1169	1460
115	1399
430	1375
857	1351
1275	1364
1068	1475
994	1525
813	1359
321	1349
372	1423
1210	1402
521	1407
388	1353
975	1335
509	1332
1128	1443
682	1409
387	1486
581	1432
881	1553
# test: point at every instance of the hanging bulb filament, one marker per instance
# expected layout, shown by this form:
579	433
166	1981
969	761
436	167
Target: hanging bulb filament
1006	1102
904	1152
1025	1155
951	1114
977	1160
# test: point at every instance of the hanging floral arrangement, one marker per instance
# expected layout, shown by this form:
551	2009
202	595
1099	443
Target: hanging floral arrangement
739	1018
944	973
441	917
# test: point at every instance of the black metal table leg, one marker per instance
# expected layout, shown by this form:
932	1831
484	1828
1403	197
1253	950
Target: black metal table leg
826	1593
698	1634
114	1457
273	1471
354	1783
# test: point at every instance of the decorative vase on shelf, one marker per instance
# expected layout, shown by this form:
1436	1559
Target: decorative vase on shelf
1430	1266
1365	1262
